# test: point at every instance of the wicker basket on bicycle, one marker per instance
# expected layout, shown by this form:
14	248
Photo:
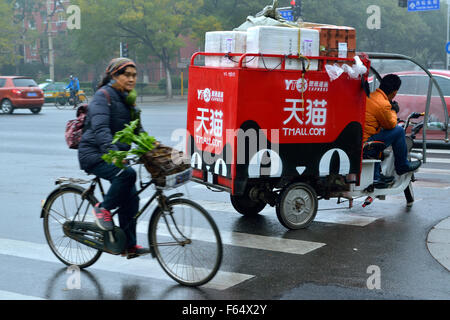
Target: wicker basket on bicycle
164	161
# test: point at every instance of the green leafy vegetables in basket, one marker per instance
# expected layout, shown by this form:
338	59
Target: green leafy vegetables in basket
143	143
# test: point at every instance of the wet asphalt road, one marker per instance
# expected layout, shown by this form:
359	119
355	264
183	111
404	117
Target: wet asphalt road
348	244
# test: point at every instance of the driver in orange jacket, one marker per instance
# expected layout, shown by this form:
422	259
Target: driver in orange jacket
381	125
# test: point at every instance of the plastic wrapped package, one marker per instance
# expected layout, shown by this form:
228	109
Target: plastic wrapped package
284	41
334	71
354	71
260	21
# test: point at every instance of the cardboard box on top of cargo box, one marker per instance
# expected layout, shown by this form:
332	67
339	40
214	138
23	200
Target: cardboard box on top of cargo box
337	41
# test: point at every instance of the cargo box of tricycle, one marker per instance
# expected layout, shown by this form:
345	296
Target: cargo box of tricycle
269	128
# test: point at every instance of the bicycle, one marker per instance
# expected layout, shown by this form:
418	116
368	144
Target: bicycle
64	99
182	235
77	99
61	100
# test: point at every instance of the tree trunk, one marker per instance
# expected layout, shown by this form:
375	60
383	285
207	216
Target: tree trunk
169	92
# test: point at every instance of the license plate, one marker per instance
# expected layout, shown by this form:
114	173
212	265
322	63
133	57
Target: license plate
31	94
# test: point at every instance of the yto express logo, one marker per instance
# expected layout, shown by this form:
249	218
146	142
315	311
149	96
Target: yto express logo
208	95
303	85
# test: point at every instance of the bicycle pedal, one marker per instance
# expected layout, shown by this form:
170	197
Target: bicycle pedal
136	255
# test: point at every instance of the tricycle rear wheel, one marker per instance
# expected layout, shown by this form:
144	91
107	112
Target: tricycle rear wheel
245	205
297	206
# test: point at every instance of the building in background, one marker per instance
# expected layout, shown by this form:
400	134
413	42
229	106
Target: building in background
51	21
46	20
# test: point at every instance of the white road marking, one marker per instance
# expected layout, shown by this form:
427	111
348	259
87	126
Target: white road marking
246	240
328	216
438	160
437	151
344	218
142	267
433	171
7	295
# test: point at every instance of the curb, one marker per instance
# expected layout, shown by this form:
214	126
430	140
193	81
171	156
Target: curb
438	242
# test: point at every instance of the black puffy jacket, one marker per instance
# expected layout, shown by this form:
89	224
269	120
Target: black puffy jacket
102	122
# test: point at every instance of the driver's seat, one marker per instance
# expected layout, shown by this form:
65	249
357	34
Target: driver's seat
373	150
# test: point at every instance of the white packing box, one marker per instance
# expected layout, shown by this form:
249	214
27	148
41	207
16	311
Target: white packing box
224	42
284	41
233	42
213	43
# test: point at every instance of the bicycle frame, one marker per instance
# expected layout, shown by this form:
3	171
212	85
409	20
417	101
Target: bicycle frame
162	202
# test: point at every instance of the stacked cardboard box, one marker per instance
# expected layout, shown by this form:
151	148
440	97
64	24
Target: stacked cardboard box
224	42
335	41
282	41
315	40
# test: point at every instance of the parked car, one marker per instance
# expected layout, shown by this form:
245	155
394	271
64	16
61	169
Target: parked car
57	90
20	92
52	90
412	97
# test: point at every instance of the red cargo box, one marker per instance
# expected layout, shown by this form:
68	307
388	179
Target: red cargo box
251	126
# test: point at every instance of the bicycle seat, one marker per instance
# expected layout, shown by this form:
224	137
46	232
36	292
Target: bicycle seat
373	149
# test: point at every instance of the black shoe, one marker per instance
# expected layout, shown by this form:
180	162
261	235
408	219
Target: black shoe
378	184
411	166
386	179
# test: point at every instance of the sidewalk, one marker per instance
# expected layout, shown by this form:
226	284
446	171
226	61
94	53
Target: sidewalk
150	99
438	242
147	99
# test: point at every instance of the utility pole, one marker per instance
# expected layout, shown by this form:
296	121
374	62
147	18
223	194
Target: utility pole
51	57
296	9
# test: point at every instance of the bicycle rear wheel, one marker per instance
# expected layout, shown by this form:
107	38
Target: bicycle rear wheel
186	242
60	102
67	204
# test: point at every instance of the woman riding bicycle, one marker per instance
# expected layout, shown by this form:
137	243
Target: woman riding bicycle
109	112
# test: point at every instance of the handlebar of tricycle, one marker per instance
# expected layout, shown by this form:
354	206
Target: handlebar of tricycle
418	126
413	115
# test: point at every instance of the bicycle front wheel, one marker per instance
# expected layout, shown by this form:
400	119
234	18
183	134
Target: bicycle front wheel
186	242
63	205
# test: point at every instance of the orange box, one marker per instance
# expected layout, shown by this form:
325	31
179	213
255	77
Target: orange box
337	41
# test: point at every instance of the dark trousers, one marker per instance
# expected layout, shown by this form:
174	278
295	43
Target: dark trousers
73	93
122	195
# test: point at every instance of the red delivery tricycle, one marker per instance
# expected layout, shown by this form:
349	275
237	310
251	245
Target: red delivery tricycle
282	137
